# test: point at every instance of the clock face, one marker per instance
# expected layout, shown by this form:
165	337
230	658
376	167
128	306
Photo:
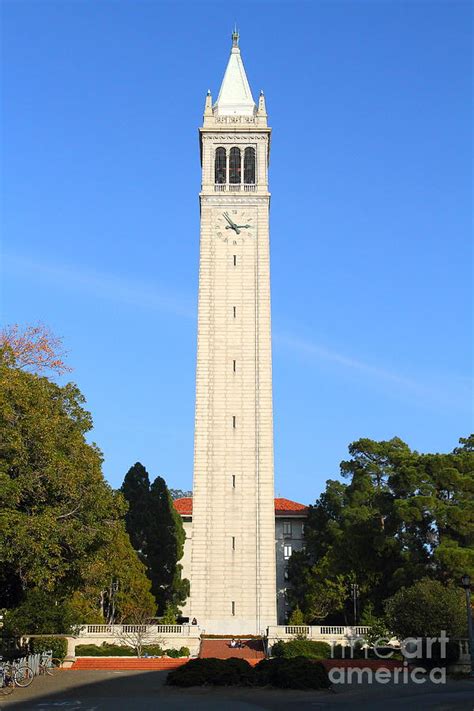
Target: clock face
233	225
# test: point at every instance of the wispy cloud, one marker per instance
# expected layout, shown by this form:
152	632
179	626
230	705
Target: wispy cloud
103	285
446	390
451	391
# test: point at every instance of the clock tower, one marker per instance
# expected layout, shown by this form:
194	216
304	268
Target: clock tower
233	528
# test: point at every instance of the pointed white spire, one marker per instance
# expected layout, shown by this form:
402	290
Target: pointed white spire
208	104
235	96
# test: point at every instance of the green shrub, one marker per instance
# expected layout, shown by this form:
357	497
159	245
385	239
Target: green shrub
216	672
184	652
293	673
301	648
105	650
340	651
154	650
174	653
435	658
58	645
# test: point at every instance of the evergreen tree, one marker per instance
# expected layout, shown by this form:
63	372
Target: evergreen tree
165	547
156	532
136	489
401	517
58	516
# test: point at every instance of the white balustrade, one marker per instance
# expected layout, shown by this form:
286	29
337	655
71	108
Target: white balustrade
235	187
117	630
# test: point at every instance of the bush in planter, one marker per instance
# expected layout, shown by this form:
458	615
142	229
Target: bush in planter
431	655
184	652
301	648
105	650
173	653
339	651
216	672
58	645
295	673
153	650
292	673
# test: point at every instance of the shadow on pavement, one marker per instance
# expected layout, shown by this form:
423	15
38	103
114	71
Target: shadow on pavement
146	690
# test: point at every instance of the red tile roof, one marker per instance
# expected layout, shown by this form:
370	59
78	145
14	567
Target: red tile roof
184	506
287	506
282	507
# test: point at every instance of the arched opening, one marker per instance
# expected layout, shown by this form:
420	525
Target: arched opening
249	166
220	166
234	166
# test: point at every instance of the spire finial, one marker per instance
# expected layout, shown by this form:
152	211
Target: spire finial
235	36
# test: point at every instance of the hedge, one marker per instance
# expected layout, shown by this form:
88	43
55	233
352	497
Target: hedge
294	673
116	650
58	645
301	648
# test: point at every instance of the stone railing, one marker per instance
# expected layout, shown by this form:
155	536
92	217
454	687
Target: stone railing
325	633
158	630
235	187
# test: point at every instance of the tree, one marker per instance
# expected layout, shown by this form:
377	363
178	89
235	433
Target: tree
34	348
296	618
41	612
115	586
400	517
136	489
179	493
138	634
165	548
58	515
157	533
426	608
313	591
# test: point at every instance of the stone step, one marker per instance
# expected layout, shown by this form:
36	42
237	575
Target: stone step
128	663
252	650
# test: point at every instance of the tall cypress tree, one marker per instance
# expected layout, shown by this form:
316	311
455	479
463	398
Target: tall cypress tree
136	489
165	548
157	534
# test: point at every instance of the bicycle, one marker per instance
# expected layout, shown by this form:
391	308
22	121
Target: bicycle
48	664
12	675
6	679
23	675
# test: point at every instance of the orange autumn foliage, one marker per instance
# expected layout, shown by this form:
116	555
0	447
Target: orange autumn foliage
34	348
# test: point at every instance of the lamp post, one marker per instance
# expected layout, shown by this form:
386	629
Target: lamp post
355	599
466	583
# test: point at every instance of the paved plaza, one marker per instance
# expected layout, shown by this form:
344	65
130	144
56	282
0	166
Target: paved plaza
144	691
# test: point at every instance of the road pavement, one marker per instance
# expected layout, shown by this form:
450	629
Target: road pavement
145	691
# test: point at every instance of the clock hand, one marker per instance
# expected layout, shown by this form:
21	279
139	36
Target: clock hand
232	224
244	226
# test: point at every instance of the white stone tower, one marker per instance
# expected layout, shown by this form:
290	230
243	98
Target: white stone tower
233	530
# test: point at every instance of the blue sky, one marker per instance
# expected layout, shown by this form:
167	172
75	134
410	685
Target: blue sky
370	217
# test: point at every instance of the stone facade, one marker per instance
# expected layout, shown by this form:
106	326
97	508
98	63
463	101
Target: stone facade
232	560
289	537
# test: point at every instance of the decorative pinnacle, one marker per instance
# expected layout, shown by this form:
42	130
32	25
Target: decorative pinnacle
235	37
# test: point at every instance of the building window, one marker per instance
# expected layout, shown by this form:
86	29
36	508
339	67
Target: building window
287	529
234	366
233	607
234	166
220	166
234	421
285	575
287	552
302	529
233	481
235	260
249	166
235	311
233	543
